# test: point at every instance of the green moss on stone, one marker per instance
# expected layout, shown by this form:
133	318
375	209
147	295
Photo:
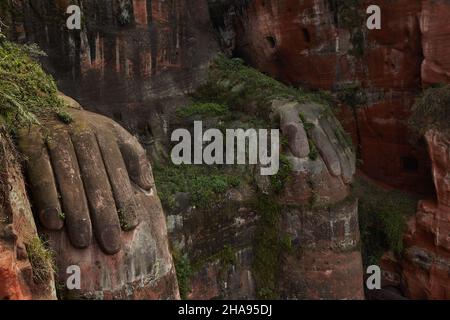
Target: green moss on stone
184	273
282	177
240	87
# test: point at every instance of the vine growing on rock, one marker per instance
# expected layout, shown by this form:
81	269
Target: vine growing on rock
267	247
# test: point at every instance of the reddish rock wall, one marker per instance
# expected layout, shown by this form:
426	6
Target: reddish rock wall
17	228
307	43
436	41
424	268
127	63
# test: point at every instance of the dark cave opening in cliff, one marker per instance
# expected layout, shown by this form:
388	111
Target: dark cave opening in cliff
306	35
271	41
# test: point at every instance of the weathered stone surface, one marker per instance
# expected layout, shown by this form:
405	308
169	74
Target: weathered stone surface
127	63
138	71
219	280
117	235
435	41
425	264
439	150
326	239
306	43
16	229
291	126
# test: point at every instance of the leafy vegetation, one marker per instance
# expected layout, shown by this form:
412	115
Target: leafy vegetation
313	152
27	93
432	110
382	217
352	95
280	179
41	259
184	273
238	87
286	244
205	184
225	257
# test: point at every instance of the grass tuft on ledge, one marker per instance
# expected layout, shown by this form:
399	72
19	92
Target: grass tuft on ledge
27	93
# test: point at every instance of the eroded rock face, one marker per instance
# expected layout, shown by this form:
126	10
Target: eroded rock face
423	270
311	43
95	201
439	149
132	62
316	214
17	228
326	263
435	35
427	257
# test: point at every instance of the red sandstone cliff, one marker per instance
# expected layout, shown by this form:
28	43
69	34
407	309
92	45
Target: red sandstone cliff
301	43
313	44
18	280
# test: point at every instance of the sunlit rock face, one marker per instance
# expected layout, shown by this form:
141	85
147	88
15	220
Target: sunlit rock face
131	59
309	43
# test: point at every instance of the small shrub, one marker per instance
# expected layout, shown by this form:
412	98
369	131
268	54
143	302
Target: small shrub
280	179
286	244
308	126
352	95
206	184
184	273
431	110
382	217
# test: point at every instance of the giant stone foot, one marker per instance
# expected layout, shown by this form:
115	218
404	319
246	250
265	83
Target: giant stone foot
95	201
